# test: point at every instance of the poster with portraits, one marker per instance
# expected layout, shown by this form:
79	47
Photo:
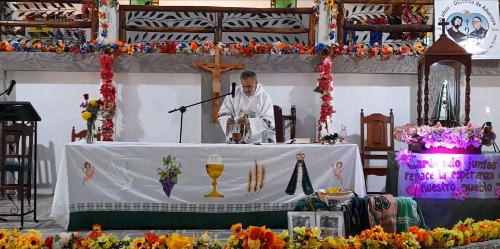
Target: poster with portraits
473	24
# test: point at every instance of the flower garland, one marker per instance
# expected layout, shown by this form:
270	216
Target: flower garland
104	6
108	96
249	49
462	233
331	8
324	88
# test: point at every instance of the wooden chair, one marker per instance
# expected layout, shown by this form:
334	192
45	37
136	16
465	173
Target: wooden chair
379	139
279	123
83	134
17	141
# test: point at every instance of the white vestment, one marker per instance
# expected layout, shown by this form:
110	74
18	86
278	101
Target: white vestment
259	110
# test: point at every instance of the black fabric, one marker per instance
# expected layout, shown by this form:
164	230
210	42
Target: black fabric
306	182
357	212
311	204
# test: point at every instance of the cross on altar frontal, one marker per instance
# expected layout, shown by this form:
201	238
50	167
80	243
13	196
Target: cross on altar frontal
443	24
216	68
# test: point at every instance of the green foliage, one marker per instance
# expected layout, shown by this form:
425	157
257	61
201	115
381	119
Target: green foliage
169	170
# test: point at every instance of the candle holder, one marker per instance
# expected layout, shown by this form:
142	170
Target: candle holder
489	136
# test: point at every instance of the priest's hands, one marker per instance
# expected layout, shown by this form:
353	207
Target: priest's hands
230	122
244	121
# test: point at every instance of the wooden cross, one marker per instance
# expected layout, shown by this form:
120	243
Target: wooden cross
443	24
217	69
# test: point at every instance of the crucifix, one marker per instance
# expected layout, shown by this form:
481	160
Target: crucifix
443	24
216	68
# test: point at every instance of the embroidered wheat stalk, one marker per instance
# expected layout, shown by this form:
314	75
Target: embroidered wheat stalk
249	186
262	178
256	185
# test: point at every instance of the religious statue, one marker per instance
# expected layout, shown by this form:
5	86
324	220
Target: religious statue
300	174
444	109
216	68
216	71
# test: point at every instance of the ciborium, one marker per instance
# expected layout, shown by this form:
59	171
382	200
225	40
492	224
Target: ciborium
214	167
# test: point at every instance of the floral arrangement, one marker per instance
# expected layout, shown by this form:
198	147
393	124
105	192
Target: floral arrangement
463	233
248	49
324	88
92	110
108	96
331	8
168	175
439	136
255	237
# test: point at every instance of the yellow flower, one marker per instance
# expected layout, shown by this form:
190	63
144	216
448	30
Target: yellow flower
419	47
93	102
178	242
138	243
86	115
3	234
422	11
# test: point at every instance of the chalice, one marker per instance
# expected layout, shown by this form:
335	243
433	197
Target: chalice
214	168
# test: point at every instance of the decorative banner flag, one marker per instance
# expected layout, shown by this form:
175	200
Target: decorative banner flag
472	24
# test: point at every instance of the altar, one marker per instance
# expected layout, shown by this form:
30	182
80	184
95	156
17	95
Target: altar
120	184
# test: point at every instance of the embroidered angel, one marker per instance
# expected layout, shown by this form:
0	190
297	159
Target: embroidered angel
337	171
89	172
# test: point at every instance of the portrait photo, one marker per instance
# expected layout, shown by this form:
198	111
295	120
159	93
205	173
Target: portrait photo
300	219
331	223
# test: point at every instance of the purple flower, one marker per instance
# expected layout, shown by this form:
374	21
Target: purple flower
460	194
414	190
497	191
404	157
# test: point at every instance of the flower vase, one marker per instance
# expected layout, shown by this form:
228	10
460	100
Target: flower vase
90	132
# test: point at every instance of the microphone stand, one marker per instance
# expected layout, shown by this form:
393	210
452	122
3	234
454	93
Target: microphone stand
183	109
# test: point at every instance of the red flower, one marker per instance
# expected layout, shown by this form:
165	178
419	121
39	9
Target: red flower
86	96
151	238
48	242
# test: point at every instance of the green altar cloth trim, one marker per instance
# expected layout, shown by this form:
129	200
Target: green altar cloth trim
121	220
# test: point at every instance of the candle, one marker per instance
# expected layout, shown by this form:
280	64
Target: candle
328	123
488	114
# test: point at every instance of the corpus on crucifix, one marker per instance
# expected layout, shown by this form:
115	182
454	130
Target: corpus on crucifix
216	68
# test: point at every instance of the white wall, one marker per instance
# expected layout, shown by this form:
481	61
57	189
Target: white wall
145	99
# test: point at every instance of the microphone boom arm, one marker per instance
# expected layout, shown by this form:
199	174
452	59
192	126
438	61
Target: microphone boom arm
183	109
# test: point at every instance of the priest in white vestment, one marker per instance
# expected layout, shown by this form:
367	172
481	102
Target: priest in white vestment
251	107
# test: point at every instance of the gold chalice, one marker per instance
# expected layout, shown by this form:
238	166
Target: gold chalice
214	168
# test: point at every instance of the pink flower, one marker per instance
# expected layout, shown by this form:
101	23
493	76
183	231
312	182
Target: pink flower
414	190
460	194
404	157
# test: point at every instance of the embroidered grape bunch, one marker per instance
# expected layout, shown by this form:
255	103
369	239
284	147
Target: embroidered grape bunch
168	174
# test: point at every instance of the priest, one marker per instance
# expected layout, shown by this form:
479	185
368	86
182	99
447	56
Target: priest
252	108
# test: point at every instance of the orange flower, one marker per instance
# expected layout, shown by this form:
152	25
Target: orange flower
414	229
9	48
96	227
194	46
119	43
236	228
252	44
281	46
254	232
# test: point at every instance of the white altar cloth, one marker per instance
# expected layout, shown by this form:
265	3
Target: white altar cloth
125	177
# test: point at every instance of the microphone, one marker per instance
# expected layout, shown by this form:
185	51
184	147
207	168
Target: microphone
11	86
233	86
